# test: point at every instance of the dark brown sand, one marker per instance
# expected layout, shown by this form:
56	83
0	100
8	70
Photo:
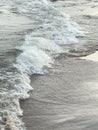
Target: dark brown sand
67	97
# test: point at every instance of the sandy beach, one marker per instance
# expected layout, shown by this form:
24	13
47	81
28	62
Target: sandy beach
92	57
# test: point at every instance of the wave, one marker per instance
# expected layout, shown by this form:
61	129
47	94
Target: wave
51	31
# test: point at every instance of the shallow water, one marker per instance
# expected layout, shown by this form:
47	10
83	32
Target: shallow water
66	99
33	34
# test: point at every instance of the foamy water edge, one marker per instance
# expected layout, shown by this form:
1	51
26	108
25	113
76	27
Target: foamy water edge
38	52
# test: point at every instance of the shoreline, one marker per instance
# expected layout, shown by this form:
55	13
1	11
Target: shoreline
91	57
67	98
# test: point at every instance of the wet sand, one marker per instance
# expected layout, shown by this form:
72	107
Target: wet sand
92	57
67	97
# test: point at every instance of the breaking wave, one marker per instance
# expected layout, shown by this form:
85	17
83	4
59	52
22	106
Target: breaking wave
51	31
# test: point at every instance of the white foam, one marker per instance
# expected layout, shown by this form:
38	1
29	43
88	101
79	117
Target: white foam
50	23
42	43
32	60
